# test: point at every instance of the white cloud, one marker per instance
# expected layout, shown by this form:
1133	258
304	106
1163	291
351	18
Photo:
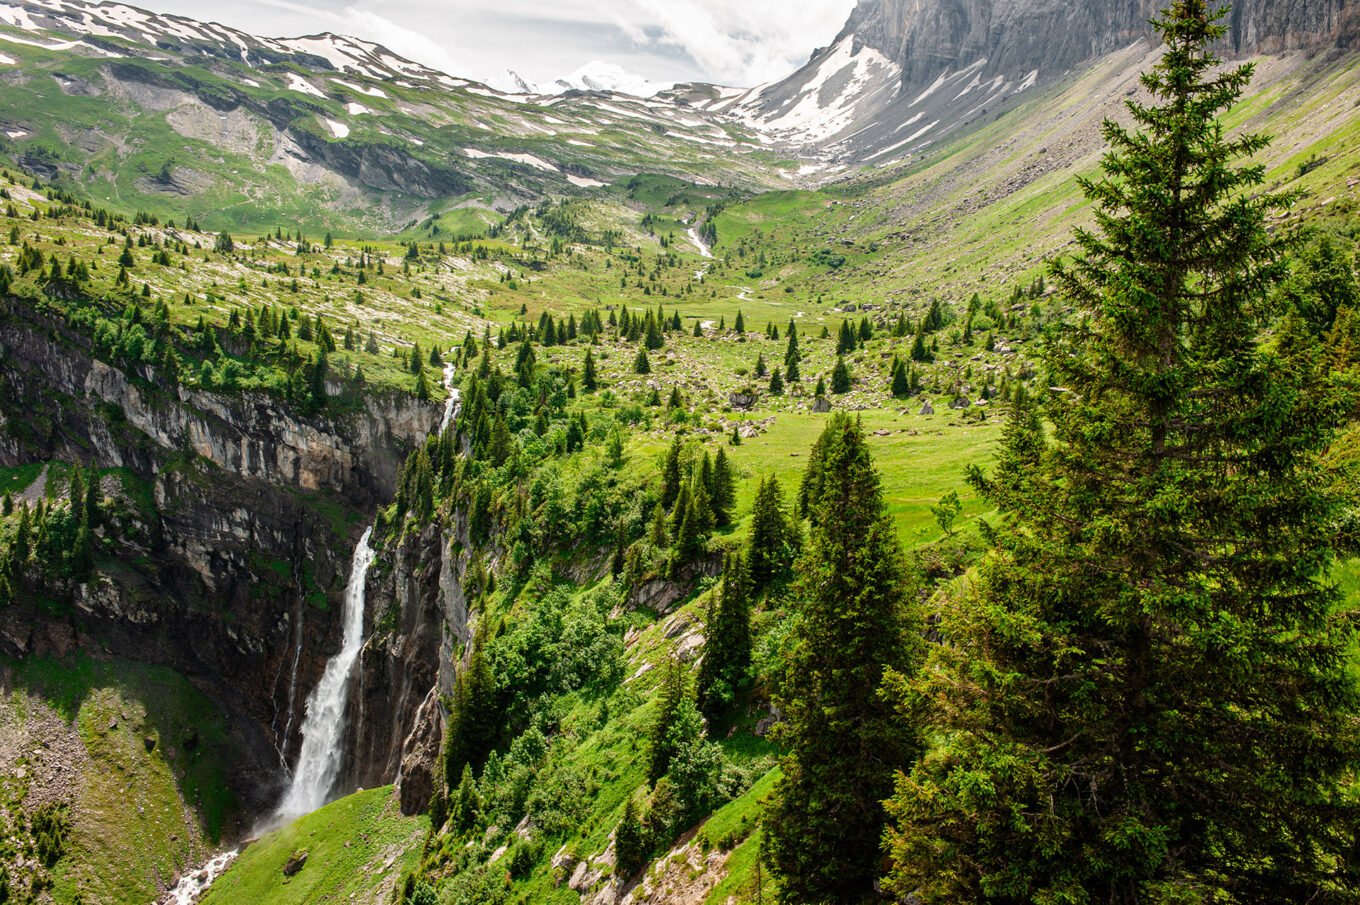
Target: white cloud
735	42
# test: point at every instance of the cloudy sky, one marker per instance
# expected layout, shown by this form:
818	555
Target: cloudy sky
735	42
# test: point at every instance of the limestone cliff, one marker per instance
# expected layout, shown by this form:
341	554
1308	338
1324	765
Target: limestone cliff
231	567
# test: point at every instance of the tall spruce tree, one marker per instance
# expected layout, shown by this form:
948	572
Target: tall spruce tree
727	648
826	817
1146	696
774	539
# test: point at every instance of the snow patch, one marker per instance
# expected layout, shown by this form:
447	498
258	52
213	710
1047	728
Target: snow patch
339	130
16	135
6	61
299	84
18	17
1030	81
583	182
357	109
859	74
527	159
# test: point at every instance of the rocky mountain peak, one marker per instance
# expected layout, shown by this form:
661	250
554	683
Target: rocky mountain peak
903	73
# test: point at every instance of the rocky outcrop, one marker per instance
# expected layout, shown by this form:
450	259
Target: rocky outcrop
247	435
904	74
1015	37
232	567
421	633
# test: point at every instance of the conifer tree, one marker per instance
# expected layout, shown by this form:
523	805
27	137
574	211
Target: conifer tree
776	383
642	364
825	818
672	475
840	377
470	734
723	489
661	748
774	540
901	383
1146	696
727	648
589	380
630	841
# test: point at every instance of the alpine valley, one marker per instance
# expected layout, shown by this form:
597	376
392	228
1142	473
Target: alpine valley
931	477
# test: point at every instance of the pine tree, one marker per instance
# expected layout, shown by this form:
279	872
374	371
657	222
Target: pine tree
825	818
672	475
847	340
727	648
660	746
901	382
723	489
740	325
840	377
774	539
1146	696
589	381
470	734
776	383
641	364
630	841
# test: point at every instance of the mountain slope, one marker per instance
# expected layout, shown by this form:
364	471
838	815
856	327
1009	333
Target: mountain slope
179	117
905	74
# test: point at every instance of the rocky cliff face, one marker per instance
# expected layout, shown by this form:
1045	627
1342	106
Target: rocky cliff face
233	571
420	634
905	73
1015	37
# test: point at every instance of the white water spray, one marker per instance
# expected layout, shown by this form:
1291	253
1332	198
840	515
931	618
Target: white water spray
192	886
451	406
319	763
699	243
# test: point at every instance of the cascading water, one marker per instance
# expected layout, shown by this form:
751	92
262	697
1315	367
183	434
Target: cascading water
451	406
324	725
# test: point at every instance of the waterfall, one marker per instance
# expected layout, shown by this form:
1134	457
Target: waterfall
451	406
324	725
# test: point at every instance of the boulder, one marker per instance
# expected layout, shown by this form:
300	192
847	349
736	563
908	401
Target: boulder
295	863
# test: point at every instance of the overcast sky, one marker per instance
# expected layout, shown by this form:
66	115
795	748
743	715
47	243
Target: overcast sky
733	42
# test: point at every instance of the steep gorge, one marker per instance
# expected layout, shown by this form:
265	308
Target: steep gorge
248	513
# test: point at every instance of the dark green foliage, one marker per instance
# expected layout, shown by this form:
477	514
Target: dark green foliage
1322	284
631	850
1147	695
589	380
641	364
727	648
774	540
900	383
722	489
474	718
825	817
847	340
840	377
776	383
661	747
